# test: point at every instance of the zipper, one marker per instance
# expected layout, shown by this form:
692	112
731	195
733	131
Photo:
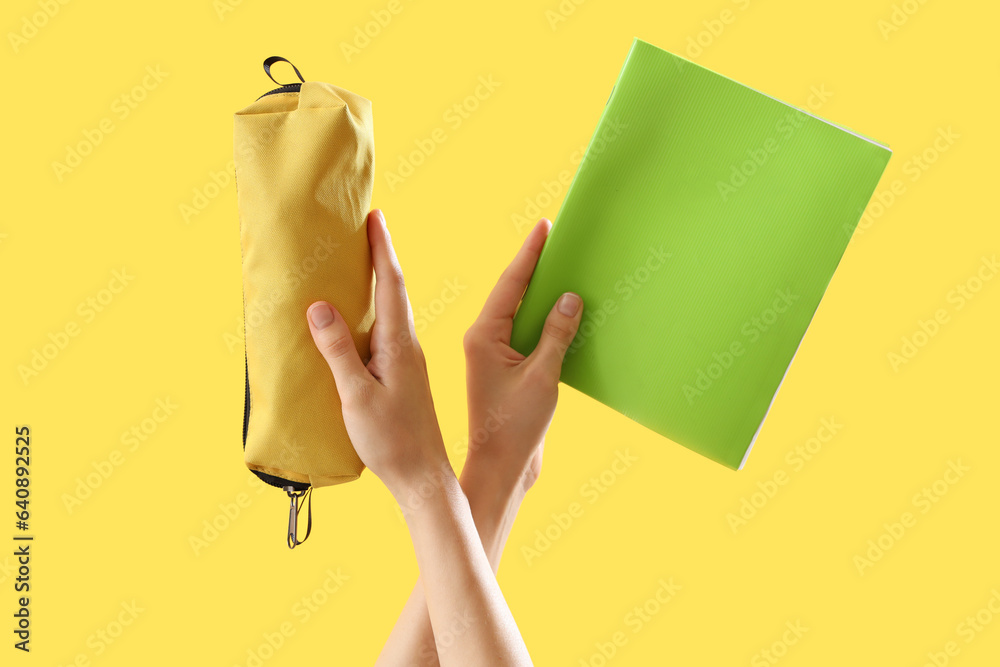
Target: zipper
273	480
299	493
287	88
297	499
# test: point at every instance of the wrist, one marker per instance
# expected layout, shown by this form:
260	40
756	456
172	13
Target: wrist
494	505
492	490
501	464
416	487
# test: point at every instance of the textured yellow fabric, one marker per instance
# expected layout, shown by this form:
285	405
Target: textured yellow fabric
304	177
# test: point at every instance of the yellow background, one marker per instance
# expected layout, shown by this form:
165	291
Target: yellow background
169	334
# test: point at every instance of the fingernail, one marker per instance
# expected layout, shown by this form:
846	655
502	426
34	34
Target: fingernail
569	304
381	216
321	316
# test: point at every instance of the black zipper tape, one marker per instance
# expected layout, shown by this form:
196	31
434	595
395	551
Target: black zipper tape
287	88
299	488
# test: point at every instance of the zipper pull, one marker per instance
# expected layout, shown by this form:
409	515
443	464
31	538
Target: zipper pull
296	498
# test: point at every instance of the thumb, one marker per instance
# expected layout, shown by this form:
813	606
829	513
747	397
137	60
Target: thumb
557	334
333	339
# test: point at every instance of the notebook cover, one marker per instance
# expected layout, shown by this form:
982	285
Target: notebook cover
701	230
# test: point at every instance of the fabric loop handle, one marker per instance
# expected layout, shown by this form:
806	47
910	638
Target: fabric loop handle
274	59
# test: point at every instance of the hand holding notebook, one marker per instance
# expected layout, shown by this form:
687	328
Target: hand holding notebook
701	230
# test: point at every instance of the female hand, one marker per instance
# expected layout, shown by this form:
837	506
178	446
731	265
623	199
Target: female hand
387	405
511	401
389	415
512	397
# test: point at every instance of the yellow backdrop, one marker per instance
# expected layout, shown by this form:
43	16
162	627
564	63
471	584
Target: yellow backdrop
863	529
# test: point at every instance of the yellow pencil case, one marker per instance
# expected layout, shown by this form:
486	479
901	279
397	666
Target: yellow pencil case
304	173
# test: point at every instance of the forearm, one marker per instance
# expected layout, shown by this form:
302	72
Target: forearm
458	582
494	504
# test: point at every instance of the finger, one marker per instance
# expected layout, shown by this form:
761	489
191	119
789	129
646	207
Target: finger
560	327
333	339
391	304
503	300
393	337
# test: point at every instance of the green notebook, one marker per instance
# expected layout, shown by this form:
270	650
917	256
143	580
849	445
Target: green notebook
701	229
